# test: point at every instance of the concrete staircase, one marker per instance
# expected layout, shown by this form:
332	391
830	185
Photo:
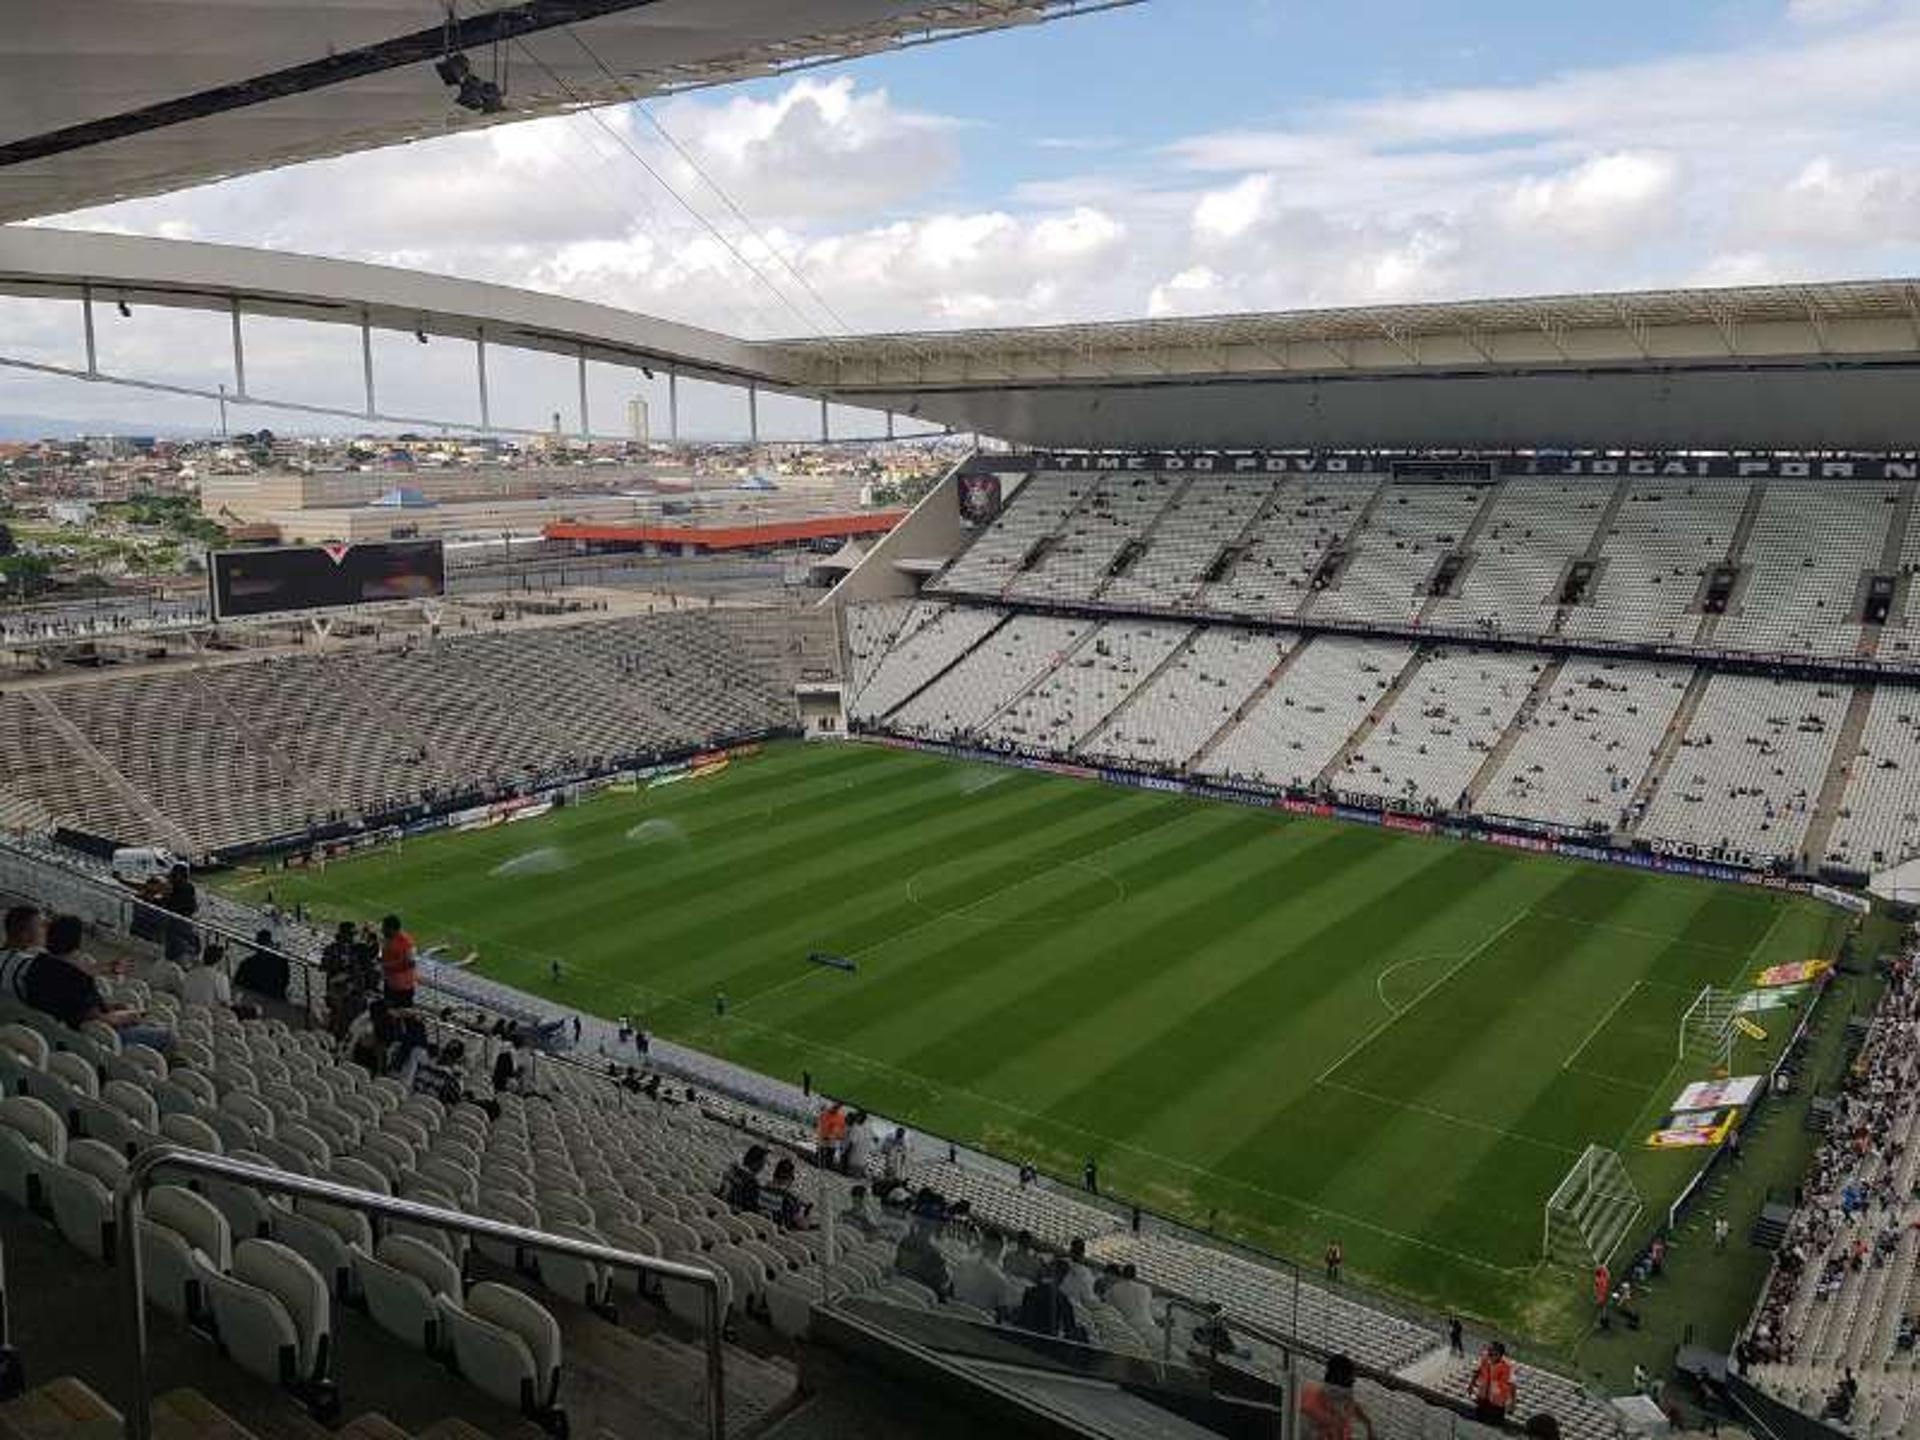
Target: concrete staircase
1145	537
1736	547
1345	542
1846	749
1464	546
1510	737
1669	747
1597	542
1890	559
1246	706
1381	709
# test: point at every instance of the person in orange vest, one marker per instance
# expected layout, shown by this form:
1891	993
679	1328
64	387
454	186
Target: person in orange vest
397	970
830	1131
1602	1292
1328	1409
1492	1387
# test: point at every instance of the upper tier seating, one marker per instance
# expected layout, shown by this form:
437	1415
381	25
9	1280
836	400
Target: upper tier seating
1411	529
1803	567
1655	558
1031	513
1120	510
1306	517
1534	530
1196	526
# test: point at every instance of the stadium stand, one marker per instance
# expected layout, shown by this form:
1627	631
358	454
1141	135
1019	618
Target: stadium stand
1532	531
1391	558
230	755
1033	513
969	695
1198	522
1653	562
1805	559
1647	750
1305	519
1749	767
1195	696
1440	730
932	638
1095	539
1058	713
1296	730
1576	759
1878	820
1833	1334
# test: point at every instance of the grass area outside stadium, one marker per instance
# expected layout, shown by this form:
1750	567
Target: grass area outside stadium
1287	1029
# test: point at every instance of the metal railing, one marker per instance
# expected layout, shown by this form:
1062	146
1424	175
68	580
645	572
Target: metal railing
130	1206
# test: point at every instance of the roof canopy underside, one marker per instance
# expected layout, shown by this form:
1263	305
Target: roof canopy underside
80	62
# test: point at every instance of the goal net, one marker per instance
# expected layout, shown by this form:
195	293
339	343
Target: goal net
1707	1027
1592	1210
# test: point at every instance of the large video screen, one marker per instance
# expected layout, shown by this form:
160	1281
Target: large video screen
322	577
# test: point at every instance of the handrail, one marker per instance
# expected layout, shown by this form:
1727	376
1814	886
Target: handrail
129	1203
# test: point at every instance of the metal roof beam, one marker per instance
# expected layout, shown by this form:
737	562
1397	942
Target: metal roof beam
475	32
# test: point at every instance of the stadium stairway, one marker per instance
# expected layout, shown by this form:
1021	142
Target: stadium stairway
1736	548
1248	705
1516	730
1596	544
1846	752
1683	714
1382	708
1463	547
1147	682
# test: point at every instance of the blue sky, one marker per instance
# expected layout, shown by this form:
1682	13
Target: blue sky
1179	156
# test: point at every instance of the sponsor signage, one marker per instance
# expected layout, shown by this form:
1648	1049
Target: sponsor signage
1480	466
1718	1094
1484	832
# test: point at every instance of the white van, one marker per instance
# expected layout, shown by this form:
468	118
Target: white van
137	864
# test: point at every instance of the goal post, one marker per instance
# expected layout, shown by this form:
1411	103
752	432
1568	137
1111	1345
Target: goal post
1591	1211
1707	1027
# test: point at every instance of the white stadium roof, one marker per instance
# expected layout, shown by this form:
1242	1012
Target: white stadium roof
1803	367
105	99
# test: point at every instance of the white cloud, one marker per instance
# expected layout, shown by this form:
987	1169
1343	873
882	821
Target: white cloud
1601	201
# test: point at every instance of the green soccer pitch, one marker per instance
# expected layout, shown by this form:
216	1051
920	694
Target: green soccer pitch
1297	1030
